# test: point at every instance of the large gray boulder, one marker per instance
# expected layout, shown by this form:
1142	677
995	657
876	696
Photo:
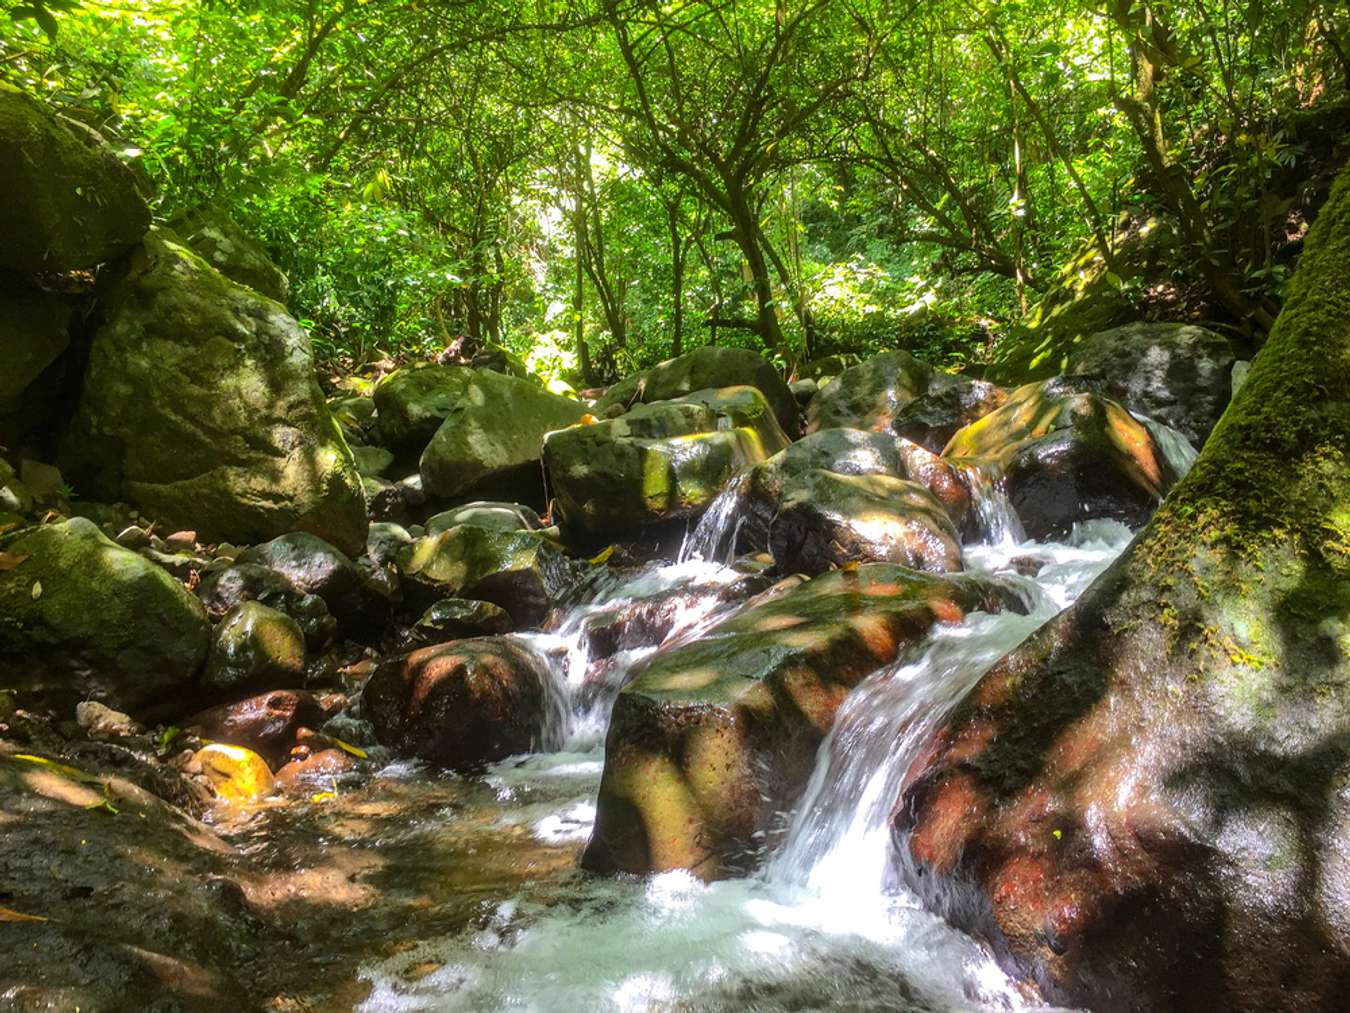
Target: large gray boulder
412	402
1177	374
83	618
701	369
201	407
868	395
68	202
491	438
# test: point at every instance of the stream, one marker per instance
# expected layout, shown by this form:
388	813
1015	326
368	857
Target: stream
474	890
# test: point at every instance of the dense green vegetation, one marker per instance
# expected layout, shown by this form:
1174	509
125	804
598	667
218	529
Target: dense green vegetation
597	184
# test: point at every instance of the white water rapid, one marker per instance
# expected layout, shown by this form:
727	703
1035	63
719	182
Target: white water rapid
823	925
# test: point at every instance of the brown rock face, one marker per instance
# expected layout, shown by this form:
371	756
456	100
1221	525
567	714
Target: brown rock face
461	704
712	738
267	723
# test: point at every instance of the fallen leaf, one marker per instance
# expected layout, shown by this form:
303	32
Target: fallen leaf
10	915
37	589
10	561
323	796
602	557
71	773
347	747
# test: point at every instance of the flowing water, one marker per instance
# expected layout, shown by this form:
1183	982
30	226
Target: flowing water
823	925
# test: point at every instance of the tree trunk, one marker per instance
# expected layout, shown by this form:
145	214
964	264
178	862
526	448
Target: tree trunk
1147	804
766	316
579	291
678	252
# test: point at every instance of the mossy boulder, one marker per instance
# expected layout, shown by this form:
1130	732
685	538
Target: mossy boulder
843	451
460	705
490	439
83	618
218	239
459	618
1176	374
520	571
225	590
69	203
712	739
825	520
701	369
313	566
867	396
486	514
1066	454
412	402
202	408
254	648
372	462
658	463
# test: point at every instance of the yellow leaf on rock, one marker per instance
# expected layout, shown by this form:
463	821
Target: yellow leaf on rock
347	747
602	557
10	915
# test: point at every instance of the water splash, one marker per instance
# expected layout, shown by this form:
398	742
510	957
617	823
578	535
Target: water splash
998	521
1177	451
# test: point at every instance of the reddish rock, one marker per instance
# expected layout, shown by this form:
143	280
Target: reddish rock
267	723
317	766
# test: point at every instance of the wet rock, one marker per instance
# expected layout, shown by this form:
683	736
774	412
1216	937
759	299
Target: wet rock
384	541
268	723
658	463
521	571
412	402
457	619
234	773
215	237
82	618
384	501
316	768
943	479
372	462
69	202
491	439
934	417
825	520
485	514
867	396
222	590
99	721
1176	374
315	567
460	705
255	647
843	451
709	367
200	406
1066	456
710	740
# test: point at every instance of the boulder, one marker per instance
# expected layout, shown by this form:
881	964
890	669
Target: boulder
485	514
254	648
412	402
372	462
867	396
315	567
460	705
944	480
1176	374
1067	455
83	618
825	520
268	723
384	541
35	329
933	418
843	451
521	571
224	590
234	773
215	237
660	462
69	203
701	369
201	407
491	438
712	740
458	619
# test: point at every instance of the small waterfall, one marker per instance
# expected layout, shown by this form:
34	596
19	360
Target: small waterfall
999	523
713	538
838	844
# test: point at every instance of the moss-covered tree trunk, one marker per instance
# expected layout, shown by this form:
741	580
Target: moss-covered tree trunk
1147	805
